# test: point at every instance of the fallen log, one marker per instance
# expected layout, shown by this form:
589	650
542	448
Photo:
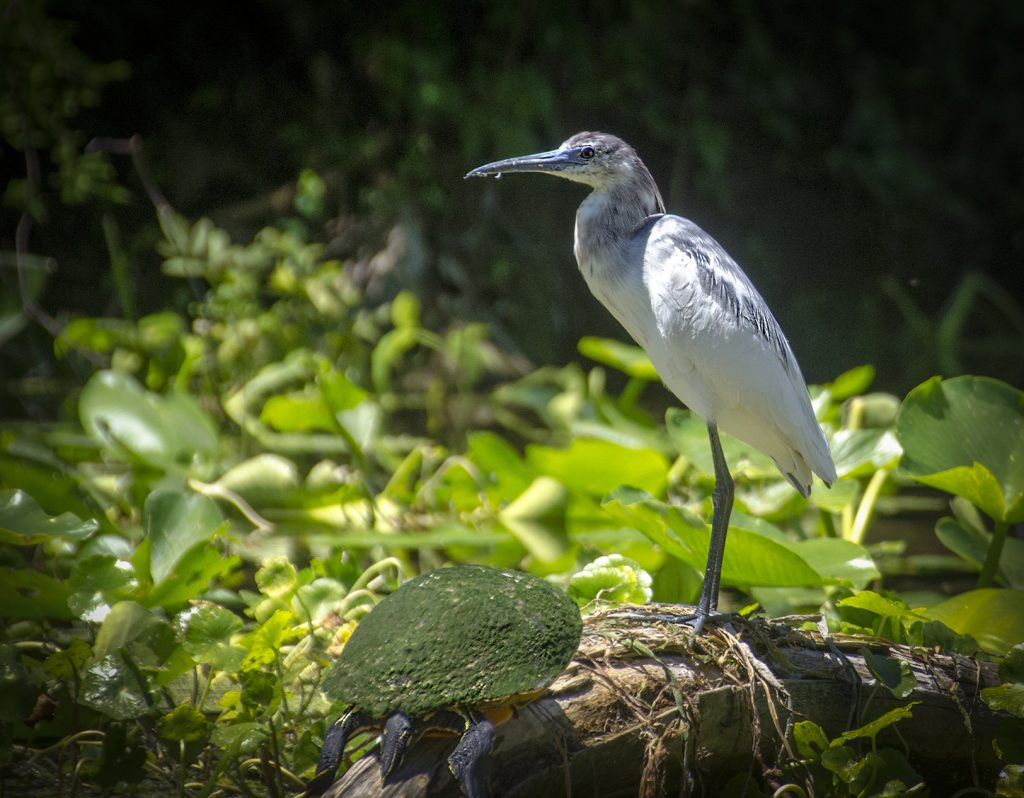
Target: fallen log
647	709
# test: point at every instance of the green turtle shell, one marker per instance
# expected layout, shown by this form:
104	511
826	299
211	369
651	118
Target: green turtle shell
460	636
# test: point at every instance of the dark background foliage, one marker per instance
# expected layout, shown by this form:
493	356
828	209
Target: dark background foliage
863	161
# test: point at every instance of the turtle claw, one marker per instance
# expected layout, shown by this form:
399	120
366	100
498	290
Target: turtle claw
468	762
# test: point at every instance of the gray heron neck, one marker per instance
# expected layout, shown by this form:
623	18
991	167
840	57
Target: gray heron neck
609	217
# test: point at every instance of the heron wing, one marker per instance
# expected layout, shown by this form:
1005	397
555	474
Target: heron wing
720	349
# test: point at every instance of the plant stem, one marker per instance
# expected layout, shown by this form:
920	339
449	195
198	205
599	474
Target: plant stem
995	551
867	505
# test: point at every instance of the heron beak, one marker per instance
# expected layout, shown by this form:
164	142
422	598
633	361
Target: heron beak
551	161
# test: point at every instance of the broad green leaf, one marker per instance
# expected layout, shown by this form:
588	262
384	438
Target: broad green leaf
750	558
965	436
114	688
537	518
165	431
405	310
208	638
192	576
1011	669
97	583
850	383
266	478
810	739
495	456
264	643
628	359
992	616
125	622
611	578
67	662
28	594
972	544
861	452
184	724
872	602
175	521
318	599
300	411
25	523
840	560
598	467
690	436
895	675
1007	697
338	391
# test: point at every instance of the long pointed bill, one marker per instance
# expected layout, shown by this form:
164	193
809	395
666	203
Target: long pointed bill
551	161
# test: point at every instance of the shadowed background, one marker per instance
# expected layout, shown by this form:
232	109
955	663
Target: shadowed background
862	162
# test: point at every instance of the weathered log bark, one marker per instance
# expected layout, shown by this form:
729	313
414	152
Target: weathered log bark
646	709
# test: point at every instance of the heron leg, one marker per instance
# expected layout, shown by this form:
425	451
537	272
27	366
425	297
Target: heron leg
350	722
721	501
468	762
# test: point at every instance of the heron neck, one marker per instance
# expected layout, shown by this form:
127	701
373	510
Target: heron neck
607	219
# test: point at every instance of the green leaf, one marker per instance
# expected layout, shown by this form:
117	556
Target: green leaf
25	523
264	643
992	616
126	622
611	578
597	467
184	724
167	432
964	435
861	452
1011	782
175	521
300	411
97	583
841	560
972	544
628	359
690	436
872	729
537	518
277	577
895	675
26	594
192	575
1011	669
113	687
750	558
208	638
1007	697
810	739
850	383
267	478
405	310
66	663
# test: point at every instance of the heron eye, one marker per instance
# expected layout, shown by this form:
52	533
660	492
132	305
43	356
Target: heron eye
587	153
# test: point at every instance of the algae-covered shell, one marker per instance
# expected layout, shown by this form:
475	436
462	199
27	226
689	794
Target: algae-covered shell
460	636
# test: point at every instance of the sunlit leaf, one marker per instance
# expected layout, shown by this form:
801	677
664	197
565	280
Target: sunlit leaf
208	638
861	452
599	467
872	728
850	383
184	723
894	674
24	523
97	583
537	518
126	621
301	411
972	544
611	578
750	558
1006	697
964	435
628	359
992	616
265	478
175	521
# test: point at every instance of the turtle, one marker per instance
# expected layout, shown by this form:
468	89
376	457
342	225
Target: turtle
456	651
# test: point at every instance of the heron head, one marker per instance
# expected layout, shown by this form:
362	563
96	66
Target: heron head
597	159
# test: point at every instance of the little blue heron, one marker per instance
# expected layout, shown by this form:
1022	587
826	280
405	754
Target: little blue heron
710	335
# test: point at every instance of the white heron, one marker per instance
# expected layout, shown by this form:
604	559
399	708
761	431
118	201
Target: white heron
708	332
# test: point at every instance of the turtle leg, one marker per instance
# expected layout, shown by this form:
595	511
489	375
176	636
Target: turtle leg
469	762
350	722
400	732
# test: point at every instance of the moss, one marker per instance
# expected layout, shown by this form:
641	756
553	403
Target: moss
457	636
